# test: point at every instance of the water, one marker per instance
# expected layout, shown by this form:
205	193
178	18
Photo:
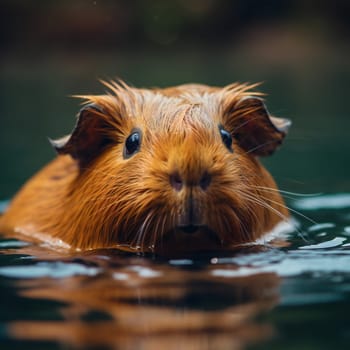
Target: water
265	297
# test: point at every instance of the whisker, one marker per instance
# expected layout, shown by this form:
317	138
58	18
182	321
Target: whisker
155	229
252	213
141	235
153	239
263	204
260	146
158	229
292	210
269	207
223	226
244	230
288	192
243	124
232	220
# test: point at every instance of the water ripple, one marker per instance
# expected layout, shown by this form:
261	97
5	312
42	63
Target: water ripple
45	269
330	201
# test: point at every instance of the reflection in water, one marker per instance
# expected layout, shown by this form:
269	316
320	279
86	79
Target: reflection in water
131	303
260	297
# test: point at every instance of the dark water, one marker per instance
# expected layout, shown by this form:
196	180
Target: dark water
288	297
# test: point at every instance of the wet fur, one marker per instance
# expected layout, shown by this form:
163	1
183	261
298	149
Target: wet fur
107	201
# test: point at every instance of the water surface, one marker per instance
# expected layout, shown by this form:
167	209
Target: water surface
262	297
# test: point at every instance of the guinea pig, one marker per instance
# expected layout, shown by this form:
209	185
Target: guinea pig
157	170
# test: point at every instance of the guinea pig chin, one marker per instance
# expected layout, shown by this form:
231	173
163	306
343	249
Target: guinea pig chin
190	238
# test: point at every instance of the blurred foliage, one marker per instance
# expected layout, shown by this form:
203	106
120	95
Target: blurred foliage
78	24
299	49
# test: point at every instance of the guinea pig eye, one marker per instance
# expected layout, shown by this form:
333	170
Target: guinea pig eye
226	138
132	144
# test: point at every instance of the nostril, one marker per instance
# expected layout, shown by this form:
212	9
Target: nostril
205	181
176	181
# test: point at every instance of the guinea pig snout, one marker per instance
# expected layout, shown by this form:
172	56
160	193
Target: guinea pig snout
190	199
178	182
190	216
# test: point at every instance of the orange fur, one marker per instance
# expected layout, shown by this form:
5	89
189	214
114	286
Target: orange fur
101	199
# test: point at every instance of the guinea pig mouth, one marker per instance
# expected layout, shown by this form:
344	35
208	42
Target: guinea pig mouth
183	239
190	228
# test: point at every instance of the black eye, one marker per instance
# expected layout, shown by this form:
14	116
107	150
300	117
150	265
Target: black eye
226	138
132	144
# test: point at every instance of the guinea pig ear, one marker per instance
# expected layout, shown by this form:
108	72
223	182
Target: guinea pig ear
89	136
256	131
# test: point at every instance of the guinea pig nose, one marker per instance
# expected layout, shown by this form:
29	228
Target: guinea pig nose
176	181
205	181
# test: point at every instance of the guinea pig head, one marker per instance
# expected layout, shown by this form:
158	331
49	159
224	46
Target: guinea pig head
173	169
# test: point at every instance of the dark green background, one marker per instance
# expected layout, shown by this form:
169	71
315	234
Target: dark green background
300	50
